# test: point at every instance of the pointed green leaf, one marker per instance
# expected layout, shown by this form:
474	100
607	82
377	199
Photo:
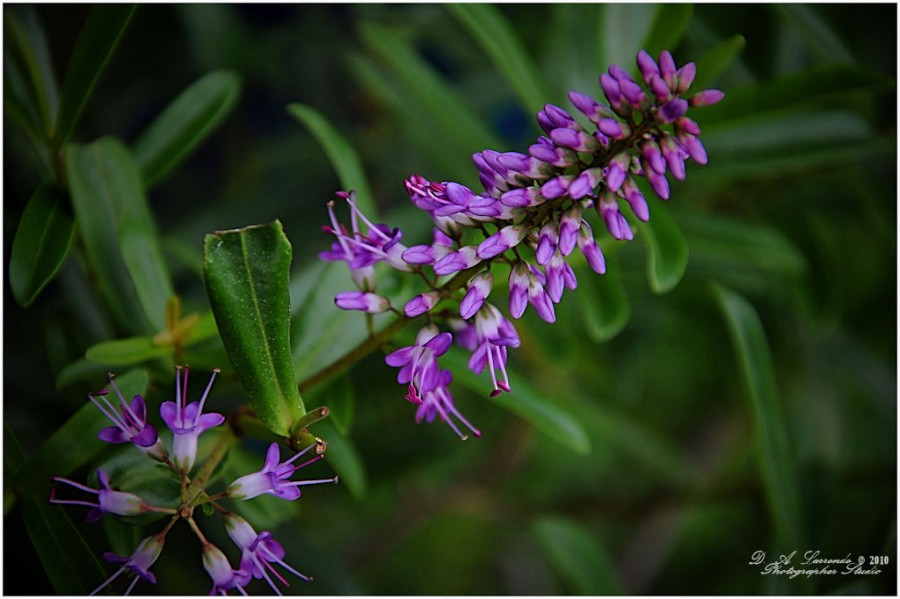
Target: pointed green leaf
71	565
75	443
624	28
187	121
341	154
448	113
41	244
604	303
496	36
119	234
247	274
577	556
668	250
524	401
97	40
342	455
670	21
124	352
715	61
779	475
30	57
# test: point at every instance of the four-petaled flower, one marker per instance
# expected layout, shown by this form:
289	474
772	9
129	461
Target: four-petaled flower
138	563
129	422
274	477
259	552
187	421
224	577
109	501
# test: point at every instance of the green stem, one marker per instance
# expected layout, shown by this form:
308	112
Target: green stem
218	453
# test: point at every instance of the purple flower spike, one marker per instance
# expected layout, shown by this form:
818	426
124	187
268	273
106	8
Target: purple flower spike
137	564
612	128
674	158
547	242
574	139
108	500
501	241
684	77
462	259
438	402
667	68
259	552
421	304
493	334
590	107
540	300
590	249
636	200
274	478
418	254
418	363
559	275
187	420
130	422
618	171
521	197
557	187
371	303
568	229
585	183
611	90
479	289
647	65
615	222
223	576
672	110
694	147
518	289
653	156
658	182
706	97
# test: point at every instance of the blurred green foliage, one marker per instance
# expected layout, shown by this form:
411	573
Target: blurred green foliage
666	427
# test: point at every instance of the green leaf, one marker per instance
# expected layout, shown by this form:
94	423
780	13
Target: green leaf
822	40
577	556
714	62
339	397
75	443
340	153
97	40
247	273
124	352
30	58
187	121
525	402
624	28
604	303
448	113
342	455
779	475
41	244
70	563
787	94
496	36
119	234
670	21
668	250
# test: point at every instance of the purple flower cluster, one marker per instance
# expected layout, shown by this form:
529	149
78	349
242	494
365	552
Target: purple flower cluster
187	422
531	217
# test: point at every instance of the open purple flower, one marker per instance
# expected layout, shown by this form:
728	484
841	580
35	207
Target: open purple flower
259	552
224	577
274	478
129	422
418	363
488	339
109	501
137	564
437	401
187	420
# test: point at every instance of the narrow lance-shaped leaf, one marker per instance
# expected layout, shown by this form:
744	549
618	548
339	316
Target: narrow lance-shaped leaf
604	303
119	234
97	40
28	48
498	39
187	121
669	24
776	462
341	154
525	402
668	250
41	244
579	558
247	274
